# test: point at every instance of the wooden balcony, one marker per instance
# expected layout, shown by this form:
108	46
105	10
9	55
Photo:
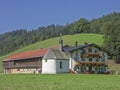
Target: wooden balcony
25	64
91	54
32	62
93	63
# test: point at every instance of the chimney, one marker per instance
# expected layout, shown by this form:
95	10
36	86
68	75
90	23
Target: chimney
61	43
76	44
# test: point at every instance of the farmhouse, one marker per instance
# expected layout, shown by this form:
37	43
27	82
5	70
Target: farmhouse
87	58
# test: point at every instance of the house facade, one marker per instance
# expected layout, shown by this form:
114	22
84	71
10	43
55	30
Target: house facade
87	58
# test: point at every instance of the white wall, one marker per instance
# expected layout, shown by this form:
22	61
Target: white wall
52	66
49	66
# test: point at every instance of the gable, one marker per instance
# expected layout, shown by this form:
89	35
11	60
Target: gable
55	54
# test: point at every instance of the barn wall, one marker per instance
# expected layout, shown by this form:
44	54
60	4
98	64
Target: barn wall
21	70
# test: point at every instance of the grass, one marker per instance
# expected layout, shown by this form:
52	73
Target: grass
114	66
68	39
59	82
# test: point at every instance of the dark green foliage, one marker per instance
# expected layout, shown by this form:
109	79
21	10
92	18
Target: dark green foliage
81	26
97	25
11	41
112	38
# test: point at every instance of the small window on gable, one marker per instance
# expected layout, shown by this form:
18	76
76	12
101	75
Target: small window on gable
45	60
60	65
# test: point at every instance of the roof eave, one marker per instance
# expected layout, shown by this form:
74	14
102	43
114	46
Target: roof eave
22	58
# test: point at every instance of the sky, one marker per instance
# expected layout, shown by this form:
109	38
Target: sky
31	14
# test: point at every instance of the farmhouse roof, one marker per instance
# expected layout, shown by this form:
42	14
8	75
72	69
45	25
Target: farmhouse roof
69	49
55	54
28	54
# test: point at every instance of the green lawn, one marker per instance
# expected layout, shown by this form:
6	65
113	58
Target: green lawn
68	39
59	82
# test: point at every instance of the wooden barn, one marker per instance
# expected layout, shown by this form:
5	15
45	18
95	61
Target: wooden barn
25	62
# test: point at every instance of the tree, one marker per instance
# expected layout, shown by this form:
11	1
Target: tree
111	37
82	26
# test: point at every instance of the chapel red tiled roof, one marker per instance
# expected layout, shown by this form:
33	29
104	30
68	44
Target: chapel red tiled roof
28	54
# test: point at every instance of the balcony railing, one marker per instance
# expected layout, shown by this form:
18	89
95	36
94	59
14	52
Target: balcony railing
28	64
15	66
91	54
92	63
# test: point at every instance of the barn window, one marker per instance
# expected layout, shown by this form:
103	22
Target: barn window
60	65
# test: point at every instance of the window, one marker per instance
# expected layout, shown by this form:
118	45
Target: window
97	59
84	51
45	60
96	51
90	50
90	59
103	60
60	65
83	59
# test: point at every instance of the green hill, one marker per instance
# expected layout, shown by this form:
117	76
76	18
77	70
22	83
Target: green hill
67	39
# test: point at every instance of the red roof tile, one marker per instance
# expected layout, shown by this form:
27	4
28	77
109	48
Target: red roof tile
28	54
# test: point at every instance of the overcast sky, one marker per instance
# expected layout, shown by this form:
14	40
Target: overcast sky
31	14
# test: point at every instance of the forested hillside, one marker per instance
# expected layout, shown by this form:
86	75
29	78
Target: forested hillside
11	41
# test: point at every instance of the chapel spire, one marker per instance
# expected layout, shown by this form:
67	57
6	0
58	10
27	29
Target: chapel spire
61	42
